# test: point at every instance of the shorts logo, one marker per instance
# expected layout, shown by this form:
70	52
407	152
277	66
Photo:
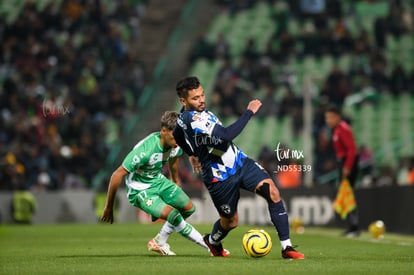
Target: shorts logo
148	202
225	208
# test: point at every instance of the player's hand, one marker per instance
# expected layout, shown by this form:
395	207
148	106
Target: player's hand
254	105
108	215
195	164
345	173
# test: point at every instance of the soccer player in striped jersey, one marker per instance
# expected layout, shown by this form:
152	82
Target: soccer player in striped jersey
149	190
225	168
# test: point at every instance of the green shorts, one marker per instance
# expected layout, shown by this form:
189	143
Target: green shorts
155	198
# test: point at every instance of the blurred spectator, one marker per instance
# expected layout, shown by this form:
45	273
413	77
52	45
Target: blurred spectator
221	47
398	80
226	98
337	87
395	21
246	70
292	106
366	164
380	32
201	49
386	176
23	205
403	171
266	159
286	46
325	159
410	176
59	66
311	40
269	104
379	75
250	53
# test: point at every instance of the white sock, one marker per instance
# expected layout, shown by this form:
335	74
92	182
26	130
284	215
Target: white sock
166	230
285	243
188	231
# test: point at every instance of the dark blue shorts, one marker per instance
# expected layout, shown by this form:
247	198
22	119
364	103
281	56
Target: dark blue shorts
226	194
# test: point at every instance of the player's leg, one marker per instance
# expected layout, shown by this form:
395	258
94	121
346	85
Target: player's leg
182	203
353	216
176	198
149	201
256	179
225	197
220	230
167	229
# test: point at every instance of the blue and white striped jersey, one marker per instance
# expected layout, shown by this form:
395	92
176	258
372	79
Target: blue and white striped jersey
219	158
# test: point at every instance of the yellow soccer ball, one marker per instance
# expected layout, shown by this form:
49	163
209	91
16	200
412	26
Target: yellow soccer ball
257	243
377	229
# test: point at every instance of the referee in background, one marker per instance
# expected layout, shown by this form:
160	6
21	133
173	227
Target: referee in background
347	159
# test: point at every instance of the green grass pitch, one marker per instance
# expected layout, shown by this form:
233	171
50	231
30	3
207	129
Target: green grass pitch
121	249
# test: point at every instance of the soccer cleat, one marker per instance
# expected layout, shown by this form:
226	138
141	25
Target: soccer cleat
352	232
160	249
290	253
216	250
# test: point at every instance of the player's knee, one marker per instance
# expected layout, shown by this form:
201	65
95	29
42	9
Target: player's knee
189	212
175	217
268	193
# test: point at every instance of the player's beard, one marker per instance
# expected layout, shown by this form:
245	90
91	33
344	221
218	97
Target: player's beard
199	107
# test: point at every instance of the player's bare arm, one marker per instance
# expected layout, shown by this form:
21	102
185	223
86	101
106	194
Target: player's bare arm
173	166
195	163
115	181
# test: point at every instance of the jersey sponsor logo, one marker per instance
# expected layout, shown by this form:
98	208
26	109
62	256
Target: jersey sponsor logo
136	159
196	117
157	157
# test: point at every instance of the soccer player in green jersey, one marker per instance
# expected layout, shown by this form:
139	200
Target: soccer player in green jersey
149	190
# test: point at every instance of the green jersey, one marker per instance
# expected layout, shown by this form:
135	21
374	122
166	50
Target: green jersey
144	163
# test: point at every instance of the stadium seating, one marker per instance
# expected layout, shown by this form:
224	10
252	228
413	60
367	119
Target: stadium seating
387	127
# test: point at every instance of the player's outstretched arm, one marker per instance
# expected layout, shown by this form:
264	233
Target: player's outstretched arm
232	131
116	179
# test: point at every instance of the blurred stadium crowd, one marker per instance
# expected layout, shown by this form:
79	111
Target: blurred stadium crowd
348	53
69	78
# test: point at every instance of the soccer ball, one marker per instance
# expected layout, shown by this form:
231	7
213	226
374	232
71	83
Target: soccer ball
257	243
377	229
